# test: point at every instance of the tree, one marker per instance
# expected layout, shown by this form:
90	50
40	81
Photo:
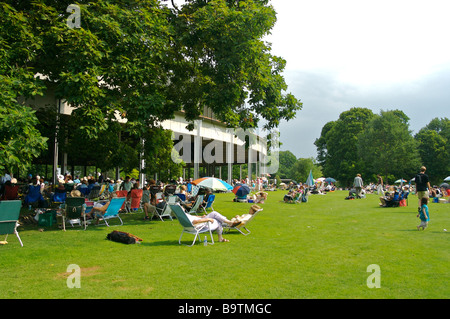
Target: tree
286	163
338	147
388	148
143	61
302	167
20	141
434	148
223	63
321	143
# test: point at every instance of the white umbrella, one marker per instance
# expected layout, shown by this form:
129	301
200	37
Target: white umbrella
401	181
447	179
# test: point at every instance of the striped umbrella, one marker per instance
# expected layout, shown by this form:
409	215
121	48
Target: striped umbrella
213	183
241	190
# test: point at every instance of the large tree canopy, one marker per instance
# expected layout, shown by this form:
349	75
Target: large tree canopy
434	148
338	151
144	60
387	147
370	144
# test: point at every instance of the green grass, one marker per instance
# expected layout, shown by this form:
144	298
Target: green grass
320	249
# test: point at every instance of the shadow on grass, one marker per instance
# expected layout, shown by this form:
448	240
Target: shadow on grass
162	243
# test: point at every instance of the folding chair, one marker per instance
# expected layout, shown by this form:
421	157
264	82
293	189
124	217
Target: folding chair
74	211
182	197
34	195
9	215
155	189
243	224
166	211
188	227
11	192
122	193
196	205
94	193
113	210
135	200
170	190
59	197
209	202
103	190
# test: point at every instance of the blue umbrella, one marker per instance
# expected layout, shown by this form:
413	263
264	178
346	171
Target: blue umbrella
330	180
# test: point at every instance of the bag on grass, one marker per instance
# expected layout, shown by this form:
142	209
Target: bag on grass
123	237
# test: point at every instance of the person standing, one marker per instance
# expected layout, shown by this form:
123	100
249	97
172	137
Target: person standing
380	185
422	185
358	184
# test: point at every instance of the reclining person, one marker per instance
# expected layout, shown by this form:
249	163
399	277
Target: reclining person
245	217
261	197
99	209
216	219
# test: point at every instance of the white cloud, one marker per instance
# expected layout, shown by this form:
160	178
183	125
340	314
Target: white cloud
365	42
352	53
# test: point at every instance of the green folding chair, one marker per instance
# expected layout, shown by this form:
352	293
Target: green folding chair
74	211
188	227
9	216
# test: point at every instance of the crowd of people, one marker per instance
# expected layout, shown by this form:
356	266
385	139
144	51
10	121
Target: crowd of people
153	195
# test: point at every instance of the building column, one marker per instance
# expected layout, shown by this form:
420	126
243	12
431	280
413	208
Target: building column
230	156
55	144
142	165
197	149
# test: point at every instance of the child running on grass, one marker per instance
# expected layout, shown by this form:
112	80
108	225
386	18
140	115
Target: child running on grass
424	215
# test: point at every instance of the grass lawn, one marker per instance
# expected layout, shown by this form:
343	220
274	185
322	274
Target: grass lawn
320	249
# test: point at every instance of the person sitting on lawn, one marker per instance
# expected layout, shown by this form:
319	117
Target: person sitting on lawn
149	202
289	197
388	199
261	197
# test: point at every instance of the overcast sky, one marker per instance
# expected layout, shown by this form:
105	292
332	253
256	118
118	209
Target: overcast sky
382	55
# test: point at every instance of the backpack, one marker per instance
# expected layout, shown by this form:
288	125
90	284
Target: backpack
123	237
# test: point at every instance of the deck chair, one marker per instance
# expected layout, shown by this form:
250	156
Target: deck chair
11	192
135	200
209	202
34	195
182	197
122	193
103	190
94	193
197	205
242	225
74	211
84	191
113	210
9	215
170	190
188	227
154	189
166	211
59	197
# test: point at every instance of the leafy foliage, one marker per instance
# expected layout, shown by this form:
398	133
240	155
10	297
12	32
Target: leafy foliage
434	148
387	146
141	61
